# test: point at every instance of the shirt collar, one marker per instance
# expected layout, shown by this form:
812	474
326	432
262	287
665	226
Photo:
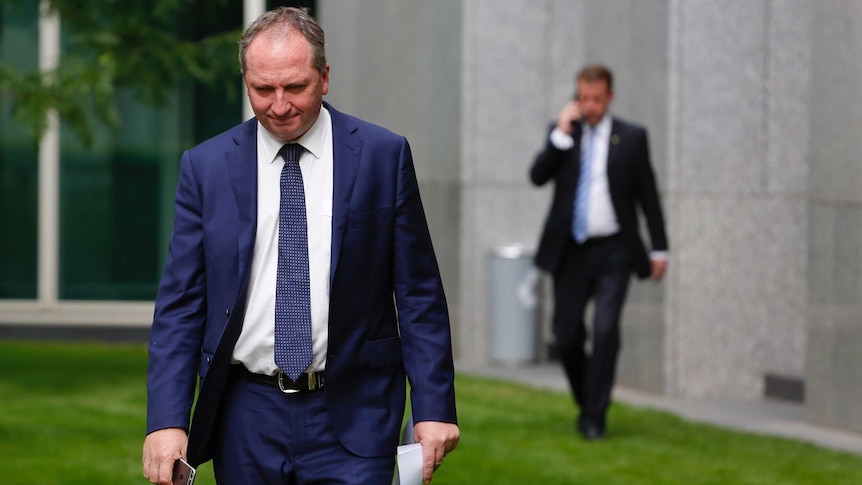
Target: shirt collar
312	140
604	126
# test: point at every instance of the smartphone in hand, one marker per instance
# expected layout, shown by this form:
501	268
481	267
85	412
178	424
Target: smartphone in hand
184	474
577	120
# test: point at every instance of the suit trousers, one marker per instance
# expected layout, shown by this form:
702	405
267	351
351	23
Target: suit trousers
597	270
267	437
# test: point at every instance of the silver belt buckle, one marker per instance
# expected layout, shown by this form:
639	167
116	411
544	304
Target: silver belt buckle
286	390
314	381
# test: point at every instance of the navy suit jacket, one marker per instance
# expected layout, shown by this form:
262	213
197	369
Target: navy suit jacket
388	316
631	184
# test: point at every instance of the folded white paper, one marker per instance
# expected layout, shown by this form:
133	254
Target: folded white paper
409	465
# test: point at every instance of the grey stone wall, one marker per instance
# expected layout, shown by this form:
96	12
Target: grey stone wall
506	92
631	37
834	351
753	110
397	64
737	207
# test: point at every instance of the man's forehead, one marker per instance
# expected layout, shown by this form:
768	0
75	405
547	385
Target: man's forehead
281	43
595	84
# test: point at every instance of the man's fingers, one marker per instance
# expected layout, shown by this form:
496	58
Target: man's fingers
166	472
160	472
437	440
428	465
432	458
151	468
659	267
152	472
439	453
161	450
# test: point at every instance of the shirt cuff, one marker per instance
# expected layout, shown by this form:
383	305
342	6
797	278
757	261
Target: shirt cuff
659	255
561	141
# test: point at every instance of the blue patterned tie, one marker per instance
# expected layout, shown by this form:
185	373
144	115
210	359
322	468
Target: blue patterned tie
582	195
292	289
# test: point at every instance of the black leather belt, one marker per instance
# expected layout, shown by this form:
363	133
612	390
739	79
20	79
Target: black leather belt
309	382
600	239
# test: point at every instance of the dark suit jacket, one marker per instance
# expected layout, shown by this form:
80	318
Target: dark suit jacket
382	258
631	183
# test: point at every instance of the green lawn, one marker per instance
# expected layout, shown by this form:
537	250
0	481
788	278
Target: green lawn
75	414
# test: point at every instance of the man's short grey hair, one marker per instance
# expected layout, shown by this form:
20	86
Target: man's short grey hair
282	22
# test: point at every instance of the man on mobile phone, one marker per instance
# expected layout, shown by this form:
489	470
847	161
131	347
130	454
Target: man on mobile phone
600	166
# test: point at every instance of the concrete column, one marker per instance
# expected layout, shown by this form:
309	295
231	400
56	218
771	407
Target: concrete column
49	167
739	80
834	358
518	65
397	64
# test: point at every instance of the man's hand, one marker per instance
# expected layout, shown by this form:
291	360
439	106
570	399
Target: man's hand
437	439
568	115
659	267
161	449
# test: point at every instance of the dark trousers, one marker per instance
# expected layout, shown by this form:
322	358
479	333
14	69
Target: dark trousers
267	437
598	270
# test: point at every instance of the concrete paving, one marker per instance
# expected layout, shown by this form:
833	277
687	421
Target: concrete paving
772	418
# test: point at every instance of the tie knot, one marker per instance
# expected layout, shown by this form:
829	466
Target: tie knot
290	152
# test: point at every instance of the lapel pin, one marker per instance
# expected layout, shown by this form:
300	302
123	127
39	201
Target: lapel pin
615	140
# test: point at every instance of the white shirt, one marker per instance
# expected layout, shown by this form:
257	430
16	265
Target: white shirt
601	218
255	346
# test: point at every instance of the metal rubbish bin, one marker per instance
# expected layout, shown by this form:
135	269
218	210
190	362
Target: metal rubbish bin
514	306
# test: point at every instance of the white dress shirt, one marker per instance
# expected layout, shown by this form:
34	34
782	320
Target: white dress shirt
601	218
255	346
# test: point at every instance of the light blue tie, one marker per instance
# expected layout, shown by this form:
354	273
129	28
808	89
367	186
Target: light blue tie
292	288
582	195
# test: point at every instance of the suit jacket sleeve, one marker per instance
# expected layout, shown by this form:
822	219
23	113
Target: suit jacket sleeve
422	313
178	323
548	161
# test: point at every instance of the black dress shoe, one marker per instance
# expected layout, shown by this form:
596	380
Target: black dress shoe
591	431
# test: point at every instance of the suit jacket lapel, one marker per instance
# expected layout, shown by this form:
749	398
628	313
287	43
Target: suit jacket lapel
241	163
242	167
346	148
613	145
613	164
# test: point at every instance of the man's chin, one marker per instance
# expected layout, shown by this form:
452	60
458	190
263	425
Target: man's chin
285	132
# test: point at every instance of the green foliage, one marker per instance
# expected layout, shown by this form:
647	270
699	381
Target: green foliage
109	45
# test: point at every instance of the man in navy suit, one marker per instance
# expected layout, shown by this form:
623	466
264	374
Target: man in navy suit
590	244
374	295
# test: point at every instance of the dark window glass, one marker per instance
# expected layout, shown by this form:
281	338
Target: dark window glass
18	160
271	4
117	194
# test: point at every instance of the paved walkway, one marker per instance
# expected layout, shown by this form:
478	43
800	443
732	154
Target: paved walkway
764	417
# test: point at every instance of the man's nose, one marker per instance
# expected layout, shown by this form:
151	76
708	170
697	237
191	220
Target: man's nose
281	105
